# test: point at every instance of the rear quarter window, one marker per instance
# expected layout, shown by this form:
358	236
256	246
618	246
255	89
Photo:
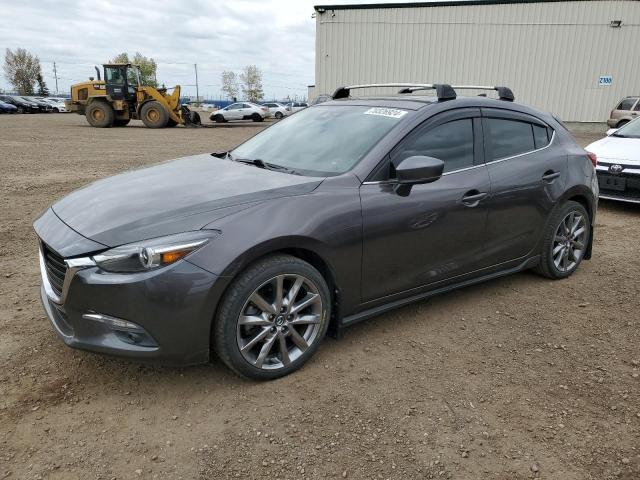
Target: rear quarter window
627	104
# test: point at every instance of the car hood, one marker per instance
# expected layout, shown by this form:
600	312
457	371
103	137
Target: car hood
624	150
177	196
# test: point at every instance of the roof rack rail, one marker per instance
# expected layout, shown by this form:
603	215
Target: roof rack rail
443	91
504	93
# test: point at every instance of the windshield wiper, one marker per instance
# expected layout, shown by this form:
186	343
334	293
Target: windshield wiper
266	165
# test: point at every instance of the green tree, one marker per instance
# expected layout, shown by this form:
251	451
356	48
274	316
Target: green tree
251	79
21	69
148	66
43	91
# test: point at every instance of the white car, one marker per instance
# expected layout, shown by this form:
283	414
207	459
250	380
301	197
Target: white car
240	111
297	106
278	110
618	166
57	103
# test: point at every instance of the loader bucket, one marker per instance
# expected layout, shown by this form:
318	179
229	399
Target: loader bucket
191	119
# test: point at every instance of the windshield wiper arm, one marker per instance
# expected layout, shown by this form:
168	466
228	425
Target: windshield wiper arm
266	165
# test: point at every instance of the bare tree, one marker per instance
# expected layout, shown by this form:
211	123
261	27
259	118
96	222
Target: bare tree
251	79
21	69
230	84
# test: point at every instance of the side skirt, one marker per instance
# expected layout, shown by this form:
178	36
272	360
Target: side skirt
372	312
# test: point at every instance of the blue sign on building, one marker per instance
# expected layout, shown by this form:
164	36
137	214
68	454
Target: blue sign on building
605	80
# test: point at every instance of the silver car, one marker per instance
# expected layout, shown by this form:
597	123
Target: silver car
628	109
240	111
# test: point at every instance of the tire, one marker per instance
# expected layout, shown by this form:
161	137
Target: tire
218	118
301	340
100	115
566	239
154	115
279	115
195	118
121	122
622	123
256	117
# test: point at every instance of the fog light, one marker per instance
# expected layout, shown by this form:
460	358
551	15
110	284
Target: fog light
113	322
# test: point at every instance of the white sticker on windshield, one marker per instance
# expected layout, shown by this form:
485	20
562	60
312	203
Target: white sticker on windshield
386	112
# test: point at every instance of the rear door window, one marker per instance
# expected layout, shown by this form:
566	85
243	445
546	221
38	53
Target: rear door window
509	137
541	136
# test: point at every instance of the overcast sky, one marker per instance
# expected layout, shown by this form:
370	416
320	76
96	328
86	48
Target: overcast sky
276	35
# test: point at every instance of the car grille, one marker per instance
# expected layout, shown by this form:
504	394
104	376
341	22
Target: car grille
55	267
631	188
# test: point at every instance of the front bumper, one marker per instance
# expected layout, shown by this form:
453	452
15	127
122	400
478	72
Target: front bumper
621	186
172	308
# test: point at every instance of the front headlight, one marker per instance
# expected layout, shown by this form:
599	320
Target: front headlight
153	253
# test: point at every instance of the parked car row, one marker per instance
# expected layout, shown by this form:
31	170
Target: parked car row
31	104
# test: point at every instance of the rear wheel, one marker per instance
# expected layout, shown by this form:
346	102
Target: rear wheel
273	318
256	117
154	115
279	115
100	114
622	123
565	241
121	122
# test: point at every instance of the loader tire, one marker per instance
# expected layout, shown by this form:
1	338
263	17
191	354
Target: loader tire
154	115
100	115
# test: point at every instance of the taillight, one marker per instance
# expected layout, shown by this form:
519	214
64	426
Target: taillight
265	109
594	159
611	114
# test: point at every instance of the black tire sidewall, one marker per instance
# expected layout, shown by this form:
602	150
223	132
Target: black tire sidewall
279	115
108	114
164	115
224	331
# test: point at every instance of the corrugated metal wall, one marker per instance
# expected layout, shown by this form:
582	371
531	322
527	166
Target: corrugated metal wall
550	54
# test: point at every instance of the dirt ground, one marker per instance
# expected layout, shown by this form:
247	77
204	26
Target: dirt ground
514	379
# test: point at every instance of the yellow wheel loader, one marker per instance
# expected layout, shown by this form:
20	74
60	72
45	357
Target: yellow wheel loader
120	97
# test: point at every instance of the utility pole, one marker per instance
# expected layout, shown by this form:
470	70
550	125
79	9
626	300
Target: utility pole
55	74
195	66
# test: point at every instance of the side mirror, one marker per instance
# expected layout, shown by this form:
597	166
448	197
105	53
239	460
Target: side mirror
417	170
611	131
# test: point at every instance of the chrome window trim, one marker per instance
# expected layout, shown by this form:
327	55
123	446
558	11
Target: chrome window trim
553	137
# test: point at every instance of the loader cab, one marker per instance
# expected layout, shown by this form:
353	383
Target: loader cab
121	81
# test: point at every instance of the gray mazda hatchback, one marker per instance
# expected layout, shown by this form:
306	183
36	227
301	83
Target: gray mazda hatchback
345	210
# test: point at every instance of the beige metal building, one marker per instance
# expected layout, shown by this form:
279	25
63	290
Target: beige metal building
576	59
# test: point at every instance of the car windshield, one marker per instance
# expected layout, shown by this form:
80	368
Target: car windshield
630	130
322	140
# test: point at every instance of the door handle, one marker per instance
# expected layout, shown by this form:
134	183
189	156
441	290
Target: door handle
473	197
549	176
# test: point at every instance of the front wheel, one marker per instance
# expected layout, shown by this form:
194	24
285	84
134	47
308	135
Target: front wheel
256	117
279	115
273	318
565	241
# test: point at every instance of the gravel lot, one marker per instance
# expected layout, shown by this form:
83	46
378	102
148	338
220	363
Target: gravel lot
517	378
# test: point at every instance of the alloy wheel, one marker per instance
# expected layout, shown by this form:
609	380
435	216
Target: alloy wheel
279	321
569	243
